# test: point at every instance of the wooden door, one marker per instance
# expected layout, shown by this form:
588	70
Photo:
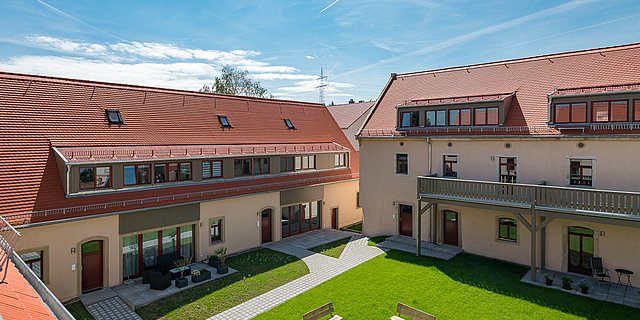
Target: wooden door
334	218
450	227
405	217
92	265
580	250
266	226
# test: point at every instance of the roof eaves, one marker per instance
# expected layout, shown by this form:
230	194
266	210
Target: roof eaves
373	109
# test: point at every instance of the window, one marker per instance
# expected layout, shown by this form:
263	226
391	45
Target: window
114	116
137	174
286	164
436	118
34	260
609	111
169	172
636	110
508	170
410	119
95	177
301	163
570	112
289	124
581	172
340	160
358	200
211	169
507	229
216	230
260	166
450	166
460	117
486	116
402	163
241	167
224	122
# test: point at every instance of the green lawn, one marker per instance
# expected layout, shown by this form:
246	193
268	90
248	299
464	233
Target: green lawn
466	287
355	227
375	240
332	249
78	311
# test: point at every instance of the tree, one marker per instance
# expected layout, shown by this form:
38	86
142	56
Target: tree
351	101
237	82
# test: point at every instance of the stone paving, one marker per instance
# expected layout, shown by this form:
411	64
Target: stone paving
321	269
111	308
602	290
316	238
408	244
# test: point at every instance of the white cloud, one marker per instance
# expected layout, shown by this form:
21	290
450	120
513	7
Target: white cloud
282	76
310	57
66	45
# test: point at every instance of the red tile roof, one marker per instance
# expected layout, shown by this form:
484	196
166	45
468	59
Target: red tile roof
44	112
532	79
138	153
347	114
597	89
463	99
18	299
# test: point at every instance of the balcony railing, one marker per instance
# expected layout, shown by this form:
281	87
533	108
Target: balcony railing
563	199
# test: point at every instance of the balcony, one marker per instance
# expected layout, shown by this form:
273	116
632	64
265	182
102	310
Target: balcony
547	200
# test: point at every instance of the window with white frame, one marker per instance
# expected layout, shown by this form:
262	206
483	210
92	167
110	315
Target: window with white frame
581	172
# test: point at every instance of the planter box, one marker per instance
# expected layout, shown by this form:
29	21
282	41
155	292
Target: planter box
222	269
549	282
214	261
182	282
204	275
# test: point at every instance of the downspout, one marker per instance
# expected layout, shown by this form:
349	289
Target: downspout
429	155
67	176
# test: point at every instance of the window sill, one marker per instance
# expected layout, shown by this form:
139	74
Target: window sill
216	243
507	241
401	174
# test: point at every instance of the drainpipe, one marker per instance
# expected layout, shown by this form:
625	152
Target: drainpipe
67	174
430	153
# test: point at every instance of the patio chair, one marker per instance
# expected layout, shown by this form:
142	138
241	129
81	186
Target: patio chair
598	271
159	281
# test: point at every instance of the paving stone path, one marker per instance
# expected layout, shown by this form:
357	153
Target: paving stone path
408	244
321	269
112	308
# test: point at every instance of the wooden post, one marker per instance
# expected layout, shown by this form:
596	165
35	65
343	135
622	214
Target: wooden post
533	241
418	242
543	244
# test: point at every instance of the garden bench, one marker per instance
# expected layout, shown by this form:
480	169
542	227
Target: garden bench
320	312
413	313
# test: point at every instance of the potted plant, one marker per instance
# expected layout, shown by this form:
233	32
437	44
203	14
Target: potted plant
548	279
200	275
214	261
182	264
566	283
221	253
584	286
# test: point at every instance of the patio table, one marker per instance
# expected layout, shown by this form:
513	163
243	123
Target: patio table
624	273
175	272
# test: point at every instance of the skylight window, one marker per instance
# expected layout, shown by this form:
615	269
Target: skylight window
114	116
224	121
289	124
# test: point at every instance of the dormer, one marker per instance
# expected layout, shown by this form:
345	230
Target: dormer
434	114
600	107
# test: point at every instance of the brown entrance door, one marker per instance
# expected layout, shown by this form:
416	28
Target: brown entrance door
266	225
580	250
334	218
405	217
450	230
92	265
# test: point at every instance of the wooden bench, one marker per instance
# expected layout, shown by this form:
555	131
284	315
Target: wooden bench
320	312
413	313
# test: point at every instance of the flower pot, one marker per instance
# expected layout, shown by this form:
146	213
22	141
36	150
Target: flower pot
566	286
214	261
204	275
549	282
584	290
182	282
222	269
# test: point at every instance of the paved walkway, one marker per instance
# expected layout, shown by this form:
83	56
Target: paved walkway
408	244
321	269
106	305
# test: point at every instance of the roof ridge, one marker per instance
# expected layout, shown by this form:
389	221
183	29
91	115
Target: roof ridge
137	87
524	59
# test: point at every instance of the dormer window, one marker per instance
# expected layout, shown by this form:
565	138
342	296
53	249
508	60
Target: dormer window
410	119
224	121
114	116
289	124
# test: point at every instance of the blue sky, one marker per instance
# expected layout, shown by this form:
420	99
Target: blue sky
283	44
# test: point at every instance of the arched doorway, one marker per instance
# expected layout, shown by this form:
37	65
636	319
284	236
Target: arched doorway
580	250
267	226
92	265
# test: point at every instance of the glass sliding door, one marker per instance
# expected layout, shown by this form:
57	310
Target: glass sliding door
315	217
306	217
169	241
294	219
149	248
130	266
186	241
301	218
285	221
